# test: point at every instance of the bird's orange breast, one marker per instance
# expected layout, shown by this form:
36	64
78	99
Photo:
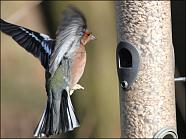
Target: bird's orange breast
78	65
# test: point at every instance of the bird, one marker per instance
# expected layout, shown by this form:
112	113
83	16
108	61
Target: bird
63	59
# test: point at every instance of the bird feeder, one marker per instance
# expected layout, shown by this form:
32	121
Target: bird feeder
145	65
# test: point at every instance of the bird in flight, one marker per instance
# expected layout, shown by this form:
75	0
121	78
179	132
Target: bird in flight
64	60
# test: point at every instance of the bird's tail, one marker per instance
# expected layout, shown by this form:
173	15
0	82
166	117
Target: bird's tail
57	117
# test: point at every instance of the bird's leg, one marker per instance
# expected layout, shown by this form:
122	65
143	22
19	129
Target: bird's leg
76	87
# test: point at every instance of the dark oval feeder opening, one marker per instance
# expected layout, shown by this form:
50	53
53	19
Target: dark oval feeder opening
125	58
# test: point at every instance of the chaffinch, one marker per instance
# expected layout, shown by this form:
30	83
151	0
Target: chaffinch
64	61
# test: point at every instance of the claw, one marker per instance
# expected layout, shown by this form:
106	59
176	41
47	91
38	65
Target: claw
76	87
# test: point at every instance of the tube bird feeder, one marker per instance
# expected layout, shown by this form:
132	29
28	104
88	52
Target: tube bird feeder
145	63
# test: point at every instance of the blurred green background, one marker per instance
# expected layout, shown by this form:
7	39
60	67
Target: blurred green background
23	95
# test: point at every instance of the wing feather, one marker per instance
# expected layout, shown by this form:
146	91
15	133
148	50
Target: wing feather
37	44
69	33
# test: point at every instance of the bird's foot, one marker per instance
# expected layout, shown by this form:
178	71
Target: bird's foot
76	87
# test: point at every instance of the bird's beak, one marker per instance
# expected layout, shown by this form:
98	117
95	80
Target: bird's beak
92	37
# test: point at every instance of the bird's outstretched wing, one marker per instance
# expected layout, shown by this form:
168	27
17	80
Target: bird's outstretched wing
39	45
68	36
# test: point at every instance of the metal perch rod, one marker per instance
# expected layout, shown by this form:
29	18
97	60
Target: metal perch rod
178	79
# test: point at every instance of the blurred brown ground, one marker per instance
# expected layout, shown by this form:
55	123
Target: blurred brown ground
23	95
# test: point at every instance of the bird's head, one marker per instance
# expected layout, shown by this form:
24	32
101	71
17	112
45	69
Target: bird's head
87	36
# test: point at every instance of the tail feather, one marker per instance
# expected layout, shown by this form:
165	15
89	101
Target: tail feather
38	132
58	117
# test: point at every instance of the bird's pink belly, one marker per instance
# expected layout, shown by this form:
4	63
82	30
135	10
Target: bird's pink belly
77	69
